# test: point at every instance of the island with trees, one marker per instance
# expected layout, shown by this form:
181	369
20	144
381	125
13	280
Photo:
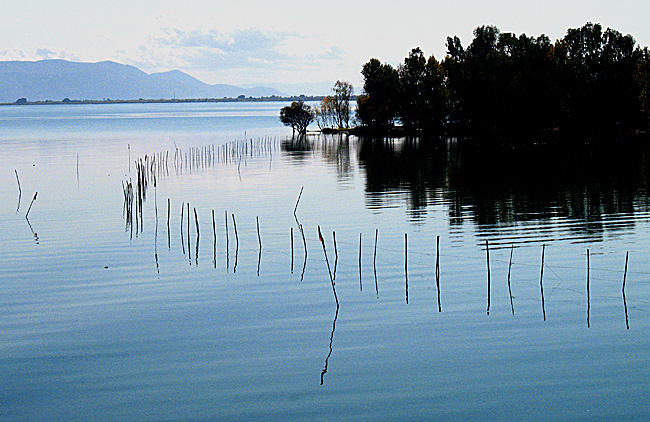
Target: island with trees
590	85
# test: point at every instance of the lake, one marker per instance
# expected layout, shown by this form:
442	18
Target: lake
171	269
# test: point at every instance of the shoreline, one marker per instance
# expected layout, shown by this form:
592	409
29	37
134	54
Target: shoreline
169	101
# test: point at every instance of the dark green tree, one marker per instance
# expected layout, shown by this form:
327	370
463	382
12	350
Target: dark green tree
377	108
298	115
422	93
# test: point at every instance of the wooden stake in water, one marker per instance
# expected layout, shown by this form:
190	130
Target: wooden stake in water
291	231
227	242
20	191
214	243
336	254
360	282
189	243
259	239
627	322
234	224
512	306
541	282
30	204
588	293
322	241
438	271
489	287
169	205
298	201
374	263
196	221
406	272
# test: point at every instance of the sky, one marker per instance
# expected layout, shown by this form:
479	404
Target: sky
245	42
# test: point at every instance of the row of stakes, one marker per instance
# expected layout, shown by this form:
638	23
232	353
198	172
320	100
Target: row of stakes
186	219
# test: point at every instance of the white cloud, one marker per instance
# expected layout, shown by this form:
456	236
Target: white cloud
238	56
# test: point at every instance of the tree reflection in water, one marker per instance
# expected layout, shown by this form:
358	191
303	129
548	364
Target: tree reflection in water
580	187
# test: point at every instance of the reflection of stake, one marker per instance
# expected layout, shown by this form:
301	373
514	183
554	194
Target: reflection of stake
324	371
322	241
32	230
30	204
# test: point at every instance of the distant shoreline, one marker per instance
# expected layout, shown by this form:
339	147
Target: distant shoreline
172	101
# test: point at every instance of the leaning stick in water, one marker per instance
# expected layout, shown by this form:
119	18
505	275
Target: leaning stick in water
30	204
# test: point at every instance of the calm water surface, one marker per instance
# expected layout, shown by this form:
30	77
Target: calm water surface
110	316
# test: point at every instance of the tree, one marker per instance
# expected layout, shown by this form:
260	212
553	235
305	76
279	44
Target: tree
342	93
377	108
325	113
298	115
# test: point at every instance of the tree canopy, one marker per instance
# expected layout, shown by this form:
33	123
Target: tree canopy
590	83
298	115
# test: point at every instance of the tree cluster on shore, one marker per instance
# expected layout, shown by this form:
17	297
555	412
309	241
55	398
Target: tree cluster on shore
592	83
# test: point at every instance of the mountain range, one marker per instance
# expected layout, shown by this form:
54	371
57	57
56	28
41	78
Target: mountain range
59	79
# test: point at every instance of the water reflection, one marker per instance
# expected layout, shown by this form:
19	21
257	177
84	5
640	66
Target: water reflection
580	191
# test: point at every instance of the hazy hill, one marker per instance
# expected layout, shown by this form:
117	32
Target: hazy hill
59	79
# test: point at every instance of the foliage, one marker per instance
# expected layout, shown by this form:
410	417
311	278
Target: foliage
298	115
591	83
342	93
377	108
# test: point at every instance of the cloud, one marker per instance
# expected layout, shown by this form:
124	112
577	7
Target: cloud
46	54
247	50
12	54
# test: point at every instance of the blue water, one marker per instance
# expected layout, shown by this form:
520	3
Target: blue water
101	320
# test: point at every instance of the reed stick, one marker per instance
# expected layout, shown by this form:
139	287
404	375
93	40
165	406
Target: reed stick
20	191
196	221
406	273
234	224
588	292
298	201
360	280
541	284
627	321
489	287
374	263
322	241
438	272
214	242
336	254
512	306
30	204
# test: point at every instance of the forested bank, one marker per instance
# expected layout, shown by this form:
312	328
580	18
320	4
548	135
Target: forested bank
592	84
